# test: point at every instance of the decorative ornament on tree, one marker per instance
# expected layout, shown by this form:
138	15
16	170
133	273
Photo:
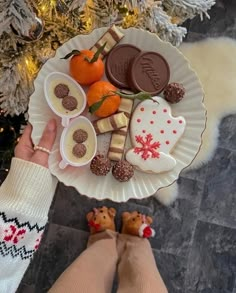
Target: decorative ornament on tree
34	33
19	18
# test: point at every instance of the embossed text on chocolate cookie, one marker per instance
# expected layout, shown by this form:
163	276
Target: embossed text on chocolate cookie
150	71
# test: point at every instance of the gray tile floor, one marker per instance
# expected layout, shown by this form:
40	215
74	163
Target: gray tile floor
195	245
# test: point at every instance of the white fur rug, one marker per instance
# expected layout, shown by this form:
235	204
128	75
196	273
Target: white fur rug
215	63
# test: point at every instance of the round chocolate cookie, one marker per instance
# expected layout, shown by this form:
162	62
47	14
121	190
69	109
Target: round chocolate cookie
123	171
80	135
118	62
61	90
100	165
79	150
69	103
149	72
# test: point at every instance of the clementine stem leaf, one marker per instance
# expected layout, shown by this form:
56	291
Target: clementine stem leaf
96	55
72	53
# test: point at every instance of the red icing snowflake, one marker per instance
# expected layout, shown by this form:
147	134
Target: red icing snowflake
148	148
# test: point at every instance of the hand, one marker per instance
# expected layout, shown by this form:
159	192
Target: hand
25	149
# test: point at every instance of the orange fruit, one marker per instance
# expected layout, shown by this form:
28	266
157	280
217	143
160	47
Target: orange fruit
97	91
83	71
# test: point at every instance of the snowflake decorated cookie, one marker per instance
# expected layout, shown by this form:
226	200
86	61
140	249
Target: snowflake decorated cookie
154	132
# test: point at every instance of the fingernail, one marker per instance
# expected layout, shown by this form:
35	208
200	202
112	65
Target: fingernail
51	125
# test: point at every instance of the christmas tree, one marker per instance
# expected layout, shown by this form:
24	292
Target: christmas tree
31	31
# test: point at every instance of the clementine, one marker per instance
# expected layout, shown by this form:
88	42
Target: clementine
103	90
84	71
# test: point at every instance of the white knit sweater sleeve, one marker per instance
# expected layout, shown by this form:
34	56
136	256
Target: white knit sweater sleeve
25	199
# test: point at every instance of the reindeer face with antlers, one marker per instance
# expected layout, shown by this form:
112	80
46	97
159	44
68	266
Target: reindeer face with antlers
137	224
101	219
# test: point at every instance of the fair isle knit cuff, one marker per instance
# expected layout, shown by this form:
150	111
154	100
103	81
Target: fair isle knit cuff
28	189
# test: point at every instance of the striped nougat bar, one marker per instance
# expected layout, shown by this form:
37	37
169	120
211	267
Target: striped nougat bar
111	37
111	123
118	137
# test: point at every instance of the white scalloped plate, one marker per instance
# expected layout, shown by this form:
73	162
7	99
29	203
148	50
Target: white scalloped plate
142	184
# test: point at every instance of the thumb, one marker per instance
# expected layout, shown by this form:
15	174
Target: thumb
46	141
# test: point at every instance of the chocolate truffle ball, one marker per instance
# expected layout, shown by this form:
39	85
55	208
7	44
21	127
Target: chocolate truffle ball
61	90
69	103
174	92
100	165
123	171
80	135
79	150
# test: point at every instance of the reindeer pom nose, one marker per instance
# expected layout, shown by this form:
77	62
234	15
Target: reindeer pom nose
145	231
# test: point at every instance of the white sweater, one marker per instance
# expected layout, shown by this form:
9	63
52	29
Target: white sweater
25	199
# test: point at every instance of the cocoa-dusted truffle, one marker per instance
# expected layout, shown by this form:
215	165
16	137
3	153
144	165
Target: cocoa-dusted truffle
69	103
61	90
79	150
123	171
80	135
174	92
100	165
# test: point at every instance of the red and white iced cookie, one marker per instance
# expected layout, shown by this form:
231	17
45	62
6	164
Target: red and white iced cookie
154	133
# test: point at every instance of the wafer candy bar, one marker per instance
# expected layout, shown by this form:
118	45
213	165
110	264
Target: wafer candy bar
111	123
118	138
111	37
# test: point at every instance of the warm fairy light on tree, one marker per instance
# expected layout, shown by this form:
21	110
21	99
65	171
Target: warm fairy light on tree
31	66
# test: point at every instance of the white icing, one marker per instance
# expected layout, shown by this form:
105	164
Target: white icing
155	120
151	165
